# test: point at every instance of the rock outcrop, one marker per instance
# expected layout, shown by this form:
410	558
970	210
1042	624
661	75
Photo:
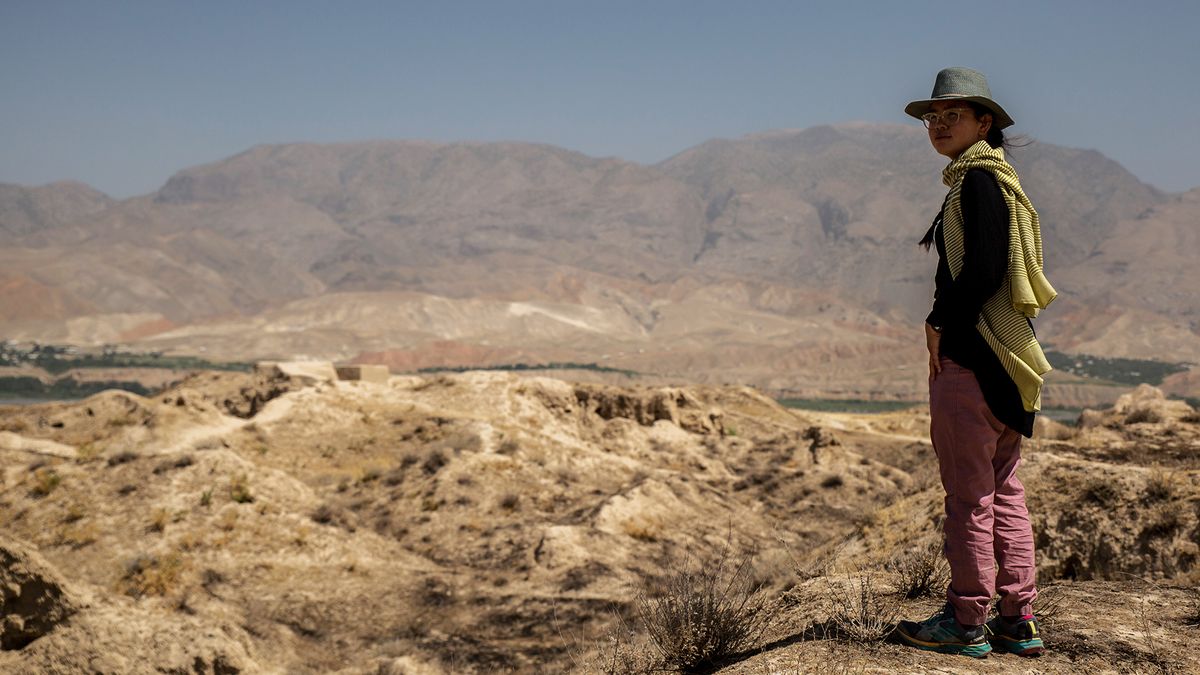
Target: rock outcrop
33	600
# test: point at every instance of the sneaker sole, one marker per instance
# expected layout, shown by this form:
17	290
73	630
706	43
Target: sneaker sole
979	651
1033	647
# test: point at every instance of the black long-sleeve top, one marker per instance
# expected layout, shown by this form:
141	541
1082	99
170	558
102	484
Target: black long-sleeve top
958	302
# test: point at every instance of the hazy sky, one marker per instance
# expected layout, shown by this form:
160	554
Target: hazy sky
120	95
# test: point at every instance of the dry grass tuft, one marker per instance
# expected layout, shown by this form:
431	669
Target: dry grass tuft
1161	486
642	528
1157	656
158	520
44	482
87	452
1163	521
78	534
1051	605
1191	616
619	651
122	458
919	573
1102	492
239	489
75	511
703	614
152	575
862	611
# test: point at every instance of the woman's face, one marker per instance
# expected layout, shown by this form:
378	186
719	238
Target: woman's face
952	140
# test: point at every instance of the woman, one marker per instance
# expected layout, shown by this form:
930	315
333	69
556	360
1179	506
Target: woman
985	368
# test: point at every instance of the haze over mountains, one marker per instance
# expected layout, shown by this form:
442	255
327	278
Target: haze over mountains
785	259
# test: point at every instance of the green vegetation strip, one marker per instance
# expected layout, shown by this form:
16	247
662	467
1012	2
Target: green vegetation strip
850	405
58	359
33	388
1121	371
56	365
532	366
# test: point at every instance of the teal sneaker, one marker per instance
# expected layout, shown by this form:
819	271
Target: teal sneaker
1020	637
943	633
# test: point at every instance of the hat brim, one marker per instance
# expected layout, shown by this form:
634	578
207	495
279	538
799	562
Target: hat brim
1002	119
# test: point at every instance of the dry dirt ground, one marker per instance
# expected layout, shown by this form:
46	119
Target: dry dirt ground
487	522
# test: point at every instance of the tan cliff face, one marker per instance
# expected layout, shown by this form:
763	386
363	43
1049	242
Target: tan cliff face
784	260
489	522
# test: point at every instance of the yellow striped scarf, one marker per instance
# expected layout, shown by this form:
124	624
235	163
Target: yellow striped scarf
1004	321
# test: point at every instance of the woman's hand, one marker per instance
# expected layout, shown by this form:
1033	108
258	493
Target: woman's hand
933	340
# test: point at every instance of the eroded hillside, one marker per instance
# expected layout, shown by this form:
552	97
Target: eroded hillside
486	522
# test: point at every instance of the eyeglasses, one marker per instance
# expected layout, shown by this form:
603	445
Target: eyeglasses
947	117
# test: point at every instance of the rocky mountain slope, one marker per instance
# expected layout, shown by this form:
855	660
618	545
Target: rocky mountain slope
783	260
488	522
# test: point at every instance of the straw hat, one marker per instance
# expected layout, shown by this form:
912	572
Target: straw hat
961	84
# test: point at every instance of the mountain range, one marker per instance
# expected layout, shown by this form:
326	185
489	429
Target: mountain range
785	260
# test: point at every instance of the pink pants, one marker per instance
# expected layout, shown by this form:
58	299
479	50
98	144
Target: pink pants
987	524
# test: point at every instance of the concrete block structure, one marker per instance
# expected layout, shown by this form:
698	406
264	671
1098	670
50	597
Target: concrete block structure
363	373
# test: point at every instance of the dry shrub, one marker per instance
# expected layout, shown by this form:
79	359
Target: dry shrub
1161	486
861	612
1163	521
1050	605
838	660
87	452
834	481
1143	415
1158	657
44	482
1191	616
122	458
78	534
75	511
434	462
619	651
919	573
1102	491
703	614
239	489
152	575
158	520
642	528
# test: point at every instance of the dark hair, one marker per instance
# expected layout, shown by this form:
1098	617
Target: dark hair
995	135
